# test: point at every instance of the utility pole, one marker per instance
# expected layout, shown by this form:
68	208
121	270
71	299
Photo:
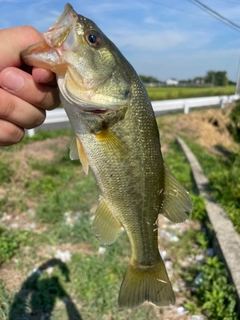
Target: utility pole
237	91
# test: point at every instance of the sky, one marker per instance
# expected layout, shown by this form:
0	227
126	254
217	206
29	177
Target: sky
164	39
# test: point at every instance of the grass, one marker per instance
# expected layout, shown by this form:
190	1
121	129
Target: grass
87	286
6	170
223	173
166	93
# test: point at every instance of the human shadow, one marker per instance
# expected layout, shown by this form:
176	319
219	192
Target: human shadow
38	295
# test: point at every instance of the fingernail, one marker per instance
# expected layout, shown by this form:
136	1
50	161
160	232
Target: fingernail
13	81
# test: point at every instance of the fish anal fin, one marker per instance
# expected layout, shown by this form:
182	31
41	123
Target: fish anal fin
105	227
77	152
146	283
177	204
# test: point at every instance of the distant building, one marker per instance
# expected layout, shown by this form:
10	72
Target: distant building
171	82
199	81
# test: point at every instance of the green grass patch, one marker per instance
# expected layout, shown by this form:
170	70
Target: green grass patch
74	197
10	242
5	301
6	171
78	231
63	186
99	277
176	161
168	93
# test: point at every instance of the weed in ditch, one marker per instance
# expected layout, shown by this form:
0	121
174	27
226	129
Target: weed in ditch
234	127
199	212
224	177
212	292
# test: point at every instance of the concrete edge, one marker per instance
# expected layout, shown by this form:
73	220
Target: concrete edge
226	236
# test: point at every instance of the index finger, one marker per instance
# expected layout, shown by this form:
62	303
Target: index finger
15	40
44	76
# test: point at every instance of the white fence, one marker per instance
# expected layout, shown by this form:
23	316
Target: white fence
58	116
166	106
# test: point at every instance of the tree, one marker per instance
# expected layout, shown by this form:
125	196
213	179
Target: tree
148	79
216	78
221	78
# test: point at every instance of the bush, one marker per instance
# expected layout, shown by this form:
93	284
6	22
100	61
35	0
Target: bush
215	294
9	243
234	127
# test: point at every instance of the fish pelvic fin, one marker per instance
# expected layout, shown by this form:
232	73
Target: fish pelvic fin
77	152
177	204
105	227
146	283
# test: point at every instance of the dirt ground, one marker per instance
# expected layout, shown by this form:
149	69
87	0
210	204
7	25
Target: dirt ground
209	127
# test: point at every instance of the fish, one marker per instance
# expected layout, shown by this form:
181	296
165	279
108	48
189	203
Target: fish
117	137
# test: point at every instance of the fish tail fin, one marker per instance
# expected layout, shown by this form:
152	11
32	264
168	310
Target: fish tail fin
146	283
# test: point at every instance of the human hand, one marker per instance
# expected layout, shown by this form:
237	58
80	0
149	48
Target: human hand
24	96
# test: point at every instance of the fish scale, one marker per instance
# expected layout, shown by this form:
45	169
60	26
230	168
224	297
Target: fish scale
117	138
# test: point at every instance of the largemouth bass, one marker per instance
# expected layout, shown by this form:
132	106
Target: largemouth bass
118	138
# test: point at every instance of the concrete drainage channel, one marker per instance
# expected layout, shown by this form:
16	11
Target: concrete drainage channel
227	239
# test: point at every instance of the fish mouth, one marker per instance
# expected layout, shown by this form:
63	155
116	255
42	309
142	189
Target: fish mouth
59	38
79	105
50	54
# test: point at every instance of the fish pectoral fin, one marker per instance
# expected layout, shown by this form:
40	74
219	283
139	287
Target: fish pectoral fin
105	227
110	141
146	283
74	150
77	152
177	204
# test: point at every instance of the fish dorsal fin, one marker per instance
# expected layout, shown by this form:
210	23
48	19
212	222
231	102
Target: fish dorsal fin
105	227
177	204
77	152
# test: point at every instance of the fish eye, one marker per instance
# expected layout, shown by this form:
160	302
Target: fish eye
93	38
